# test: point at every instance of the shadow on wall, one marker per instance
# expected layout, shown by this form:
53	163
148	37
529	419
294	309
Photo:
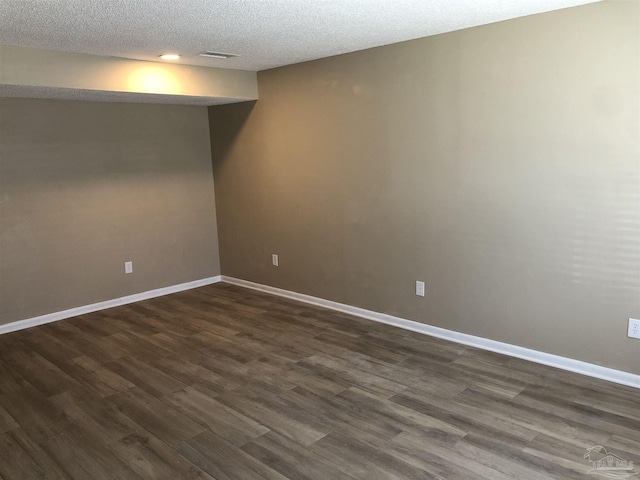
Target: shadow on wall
235	115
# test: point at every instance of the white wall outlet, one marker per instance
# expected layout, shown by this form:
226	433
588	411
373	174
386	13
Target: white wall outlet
419	288
128	267
634	328
274	259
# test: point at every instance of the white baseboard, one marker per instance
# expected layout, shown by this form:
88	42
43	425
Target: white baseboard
94	307
564	363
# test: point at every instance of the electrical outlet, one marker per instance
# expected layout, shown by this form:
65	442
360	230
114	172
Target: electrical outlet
128	267
634	328
419	288
274	259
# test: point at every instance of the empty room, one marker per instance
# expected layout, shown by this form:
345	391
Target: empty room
298	240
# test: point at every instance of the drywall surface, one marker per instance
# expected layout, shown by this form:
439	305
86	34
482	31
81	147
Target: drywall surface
499	164
35	73
85	187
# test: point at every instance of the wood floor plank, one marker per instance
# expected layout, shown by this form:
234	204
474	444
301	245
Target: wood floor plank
438	458
193	374
96	377
479	380
166	423
98	348
49	346
138	347
145	376
152	459
292	460
10	380
542	422
467	418
361	460
407	419
96	324
223	460
94	414
217	417
626	447
294	375
40	372
428	381
558	452
34	412
81	457
7	422
332	367
276	414
236	372
591	417
617	406
23	458
358	345
512	460
343	415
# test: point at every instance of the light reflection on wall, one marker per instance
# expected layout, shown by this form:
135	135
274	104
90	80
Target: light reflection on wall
154	79
606	232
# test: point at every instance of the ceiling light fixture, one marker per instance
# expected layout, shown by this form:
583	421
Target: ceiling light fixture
170	56
222	56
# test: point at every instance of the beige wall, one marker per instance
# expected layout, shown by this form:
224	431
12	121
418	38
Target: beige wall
499	164
85	187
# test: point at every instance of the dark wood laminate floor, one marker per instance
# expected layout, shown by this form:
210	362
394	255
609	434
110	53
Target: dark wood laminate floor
227	383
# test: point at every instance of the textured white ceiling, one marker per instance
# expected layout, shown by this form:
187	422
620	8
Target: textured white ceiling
265	33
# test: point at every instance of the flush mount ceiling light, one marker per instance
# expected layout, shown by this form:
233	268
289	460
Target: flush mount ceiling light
219	55
170	56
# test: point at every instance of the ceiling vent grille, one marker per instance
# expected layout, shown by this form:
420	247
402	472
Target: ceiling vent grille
219	55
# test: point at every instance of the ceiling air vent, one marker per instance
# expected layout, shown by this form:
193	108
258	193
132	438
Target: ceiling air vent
223	56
